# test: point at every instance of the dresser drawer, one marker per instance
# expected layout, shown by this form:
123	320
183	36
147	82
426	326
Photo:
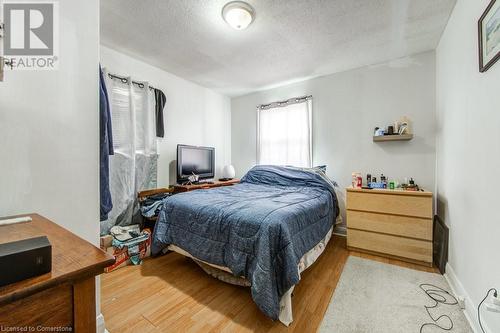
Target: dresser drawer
393	245
408	205
413	227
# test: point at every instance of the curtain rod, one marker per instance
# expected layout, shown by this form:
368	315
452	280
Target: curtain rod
125	80
284	103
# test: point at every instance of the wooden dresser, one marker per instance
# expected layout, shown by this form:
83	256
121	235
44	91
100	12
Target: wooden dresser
62	299
393	223
217	183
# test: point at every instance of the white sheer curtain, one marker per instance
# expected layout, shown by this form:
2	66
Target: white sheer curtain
133	167
284	134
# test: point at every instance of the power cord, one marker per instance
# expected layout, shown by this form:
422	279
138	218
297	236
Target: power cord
495	293
439	296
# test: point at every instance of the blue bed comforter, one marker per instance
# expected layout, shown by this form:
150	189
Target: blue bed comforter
259	228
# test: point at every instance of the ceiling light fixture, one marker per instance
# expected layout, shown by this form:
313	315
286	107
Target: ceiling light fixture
238	14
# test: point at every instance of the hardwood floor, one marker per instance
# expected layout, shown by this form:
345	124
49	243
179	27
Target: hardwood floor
172	294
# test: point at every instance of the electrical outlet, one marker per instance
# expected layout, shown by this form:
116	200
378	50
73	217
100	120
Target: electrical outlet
493	307
1	52
495	300
461	302
1	68
493	303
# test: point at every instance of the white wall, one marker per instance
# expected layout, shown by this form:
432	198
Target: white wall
49	130
193	114
346	108
468	157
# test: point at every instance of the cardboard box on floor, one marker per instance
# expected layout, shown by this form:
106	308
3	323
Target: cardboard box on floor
121	255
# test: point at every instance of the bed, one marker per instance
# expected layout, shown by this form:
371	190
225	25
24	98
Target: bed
262	232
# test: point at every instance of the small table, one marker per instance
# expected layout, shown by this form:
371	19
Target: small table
65	297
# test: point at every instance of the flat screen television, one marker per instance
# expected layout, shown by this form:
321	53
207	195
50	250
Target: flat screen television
197	160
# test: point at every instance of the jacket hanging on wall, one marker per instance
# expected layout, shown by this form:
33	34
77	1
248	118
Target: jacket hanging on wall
160	100
106	148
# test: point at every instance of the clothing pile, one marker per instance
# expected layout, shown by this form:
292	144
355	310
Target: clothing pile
152	205
131	238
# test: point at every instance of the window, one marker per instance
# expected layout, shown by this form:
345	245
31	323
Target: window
284	133
134	165
132	113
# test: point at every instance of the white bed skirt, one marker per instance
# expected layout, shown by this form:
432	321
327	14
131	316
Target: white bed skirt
224	274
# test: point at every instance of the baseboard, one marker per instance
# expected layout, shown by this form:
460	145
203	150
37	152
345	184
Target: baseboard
340	231
101	326
470	311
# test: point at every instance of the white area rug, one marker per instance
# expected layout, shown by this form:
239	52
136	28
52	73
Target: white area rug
377	297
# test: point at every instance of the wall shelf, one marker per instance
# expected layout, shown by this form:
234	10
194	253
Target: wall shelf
402	137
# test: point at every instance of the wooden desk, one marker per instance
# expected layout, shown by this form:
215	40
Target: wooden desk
393	223
142	195
217	183
65	297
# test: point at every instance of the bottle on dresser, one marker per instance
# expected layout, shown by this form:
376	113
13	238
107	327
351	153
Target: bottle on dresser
383	180
357	180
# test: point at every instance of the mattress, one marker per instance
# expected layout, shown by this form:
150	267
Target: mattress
224	274
258	229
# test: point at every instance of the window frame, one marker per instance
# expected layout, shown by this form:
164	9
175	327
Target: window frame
297	100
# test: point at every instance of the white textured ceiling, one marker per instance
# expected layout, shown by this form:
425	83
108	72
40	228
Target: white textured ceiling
289	40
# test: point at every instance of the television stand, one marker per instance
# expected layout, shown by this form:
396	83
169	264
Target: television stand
204	185
202	182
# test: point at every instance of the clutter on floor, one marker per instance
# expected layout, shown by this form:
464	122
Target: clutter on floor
128	245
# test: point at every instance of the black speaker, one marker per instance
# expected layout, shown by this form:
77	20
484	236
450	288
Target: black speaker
440	244
23	259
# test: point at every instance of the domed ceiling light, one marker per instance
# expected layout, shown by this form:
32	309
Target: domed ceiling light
238	14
